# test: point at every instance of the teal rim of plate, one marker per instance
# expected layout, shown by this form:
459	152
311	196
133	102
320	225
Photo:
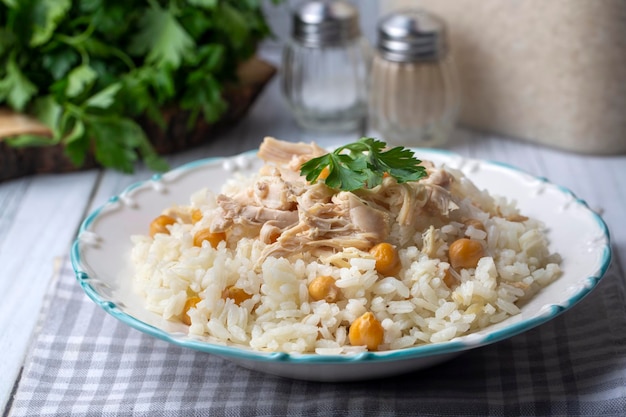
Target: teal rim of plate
456	345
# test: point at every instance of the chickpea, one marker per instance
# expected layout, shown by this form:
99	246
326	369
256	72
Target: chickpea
196	215
324	288
214	238
236	294
366	330
465	253
159	225
387	259
189	304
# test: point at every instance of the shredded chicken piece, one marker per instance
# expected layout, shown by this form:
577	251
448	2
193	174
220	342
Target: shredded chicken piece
272	191
270	231
288	153
315	194
233	212
433	244
438	177
344	221
364	218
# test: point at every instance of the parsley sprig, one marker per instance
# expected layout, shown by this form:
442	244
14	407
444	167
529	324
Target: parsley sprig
88	69
364	165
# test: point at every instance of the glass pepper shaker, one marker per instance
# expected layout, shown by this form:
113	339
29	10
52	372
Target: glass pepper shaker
414	95
325	63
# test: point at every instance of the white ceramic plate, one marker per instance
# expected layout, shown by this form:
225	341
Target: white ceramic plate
100	257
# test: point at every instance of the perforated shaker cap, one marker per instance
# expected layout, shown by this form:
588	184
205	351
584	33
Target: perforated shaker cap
324	23
411	35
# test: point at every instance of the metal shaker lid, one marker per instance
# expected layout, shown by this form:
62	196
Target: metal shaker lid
324	23
411	35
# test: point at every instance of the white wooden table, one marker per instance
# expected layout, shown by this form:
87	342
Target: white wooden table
39	216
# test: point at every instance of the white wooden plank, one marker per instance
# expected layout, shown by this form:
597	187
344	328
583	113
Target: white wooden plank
11	194
36	230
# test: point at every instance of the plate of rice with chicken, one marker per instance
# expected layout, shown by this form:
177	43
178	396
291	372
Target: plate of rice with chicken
346	264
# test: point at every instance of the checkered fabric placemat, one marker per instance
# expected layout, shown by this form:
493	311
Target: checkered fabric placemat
84	362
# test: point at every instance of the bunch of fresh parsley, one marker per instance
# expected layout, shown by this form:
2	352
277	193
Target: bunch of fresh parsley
88	68
363	164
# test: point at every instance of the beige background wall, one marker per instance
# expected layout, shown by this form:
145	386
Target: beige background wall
552	72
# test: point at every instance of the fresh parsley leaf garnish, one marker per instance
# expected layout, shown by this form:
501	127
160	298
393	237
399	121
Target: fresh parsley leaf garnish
363	164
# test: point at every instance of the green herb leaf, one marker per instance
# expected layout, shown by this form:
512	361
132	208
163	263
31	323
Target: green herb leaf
155	162
21	141
49	112
59	62
137	98
53	12
209	57
206	4
233	23
7	41
76	150
346	173
399	162
90	6
113	19
10	3
105	97
76	134
162	36
364	166
15	87
205	96
115	140
79	79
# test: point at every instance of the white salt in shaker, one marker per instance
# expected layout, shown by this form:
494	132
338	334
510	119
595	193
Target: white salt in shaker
414	95
324	71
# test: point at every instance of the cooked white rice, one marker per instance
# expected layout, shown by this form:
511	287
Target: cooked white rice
415	308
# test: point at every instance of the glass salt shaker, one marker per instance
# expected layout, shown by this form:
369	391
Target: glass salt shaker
325	65
414	95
